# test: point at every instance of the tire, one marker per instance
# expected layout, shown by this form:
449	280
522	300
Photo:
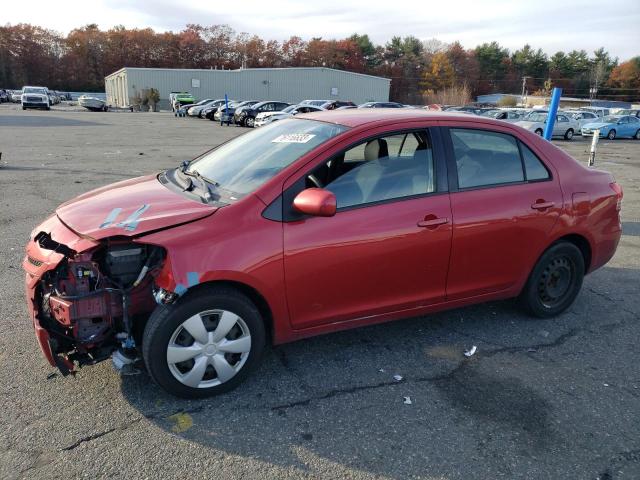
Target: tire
48	108
568	135
250	122
611	135
24	108
166	325
637	135
539	132
555	281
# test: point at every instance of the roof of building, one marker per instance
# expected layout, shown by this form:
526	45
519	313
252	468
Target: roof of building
208	70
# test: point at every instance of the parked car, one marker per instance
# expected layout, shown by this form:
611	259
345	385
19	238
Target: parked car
308	226
222	112
471	109
187	106
4	96
381	105
634	112
247	116
335	104
614	126
581	116
599	111
317	103
563	127
16	96
265	118
180	99
35	97
197	109
505	115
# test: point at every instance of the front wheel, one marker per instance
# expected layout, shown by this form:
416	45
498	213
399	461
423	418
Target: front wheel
611	135
637	135
568	135
205	344
250	122
539	132
555	281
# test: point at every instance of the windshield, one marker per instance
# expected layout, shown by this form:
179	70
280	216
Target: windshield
290	108
536	117
35	90
610	119
247	162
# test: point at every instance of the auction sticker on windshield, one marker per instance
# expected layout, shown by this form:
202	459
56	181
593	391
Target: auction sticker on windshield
293	138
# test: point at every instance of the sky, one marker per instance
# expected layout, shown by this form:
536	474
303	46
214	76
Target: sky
548	24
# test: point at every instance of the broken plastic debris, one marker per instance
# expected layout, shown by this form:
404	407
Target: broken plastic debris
471	351
606	384
407	401
397	378
381	370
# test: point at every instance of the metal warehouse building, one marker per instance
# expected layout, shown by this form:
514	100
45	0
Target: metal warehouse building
285	84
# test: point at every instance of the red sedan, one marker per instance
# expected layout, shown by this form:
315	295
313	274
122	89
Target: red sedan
311	225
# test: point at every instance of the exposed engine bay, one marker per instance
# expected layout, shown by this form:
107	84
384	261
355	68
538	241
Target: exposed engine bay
96	302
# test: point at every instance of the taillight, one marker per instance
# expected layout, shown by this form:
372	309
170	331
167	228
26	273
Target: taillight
618	189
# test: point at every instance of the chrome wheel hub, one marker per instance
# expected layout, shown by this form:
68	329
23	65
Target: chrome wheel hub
208	348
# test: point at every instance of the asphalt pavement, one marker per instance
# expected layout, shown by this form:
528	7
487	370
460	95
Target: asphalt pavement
540	399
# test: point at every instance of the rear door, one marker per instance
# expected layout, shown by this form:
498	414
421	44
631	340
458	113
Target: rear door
504	202
387	247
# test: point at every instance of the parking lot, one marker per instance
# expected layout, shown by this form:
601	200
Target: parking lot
540	399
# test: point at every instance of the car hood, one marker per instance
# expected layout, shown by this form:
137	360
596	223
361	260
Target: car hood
129	208
269	114
595	125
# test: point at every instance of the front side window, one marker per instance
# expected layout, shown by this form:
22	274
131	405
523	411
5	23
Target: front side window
384	168
485	158
245	163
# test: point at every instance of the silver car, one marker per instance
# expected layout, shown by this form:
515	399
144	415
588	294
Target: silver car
581	116
563	127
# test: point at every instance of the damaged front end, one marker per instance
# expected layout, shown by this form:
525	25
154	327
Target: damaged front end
89	298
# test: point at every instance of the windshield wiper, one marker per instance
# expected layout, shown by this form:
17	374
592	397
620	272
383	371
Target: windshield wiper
205	185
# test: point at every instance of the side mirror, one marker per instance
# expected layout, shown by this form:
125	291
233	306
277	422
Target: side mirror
315	201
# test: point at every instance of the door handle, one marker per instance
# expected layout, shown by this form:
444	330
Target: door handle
432	222
542	205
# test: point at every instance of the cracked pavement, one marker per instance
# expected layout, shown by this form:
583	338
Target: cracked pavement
554	398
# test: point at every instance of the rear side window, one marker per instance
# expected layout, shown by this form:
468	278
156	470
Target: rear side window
485	158
532	164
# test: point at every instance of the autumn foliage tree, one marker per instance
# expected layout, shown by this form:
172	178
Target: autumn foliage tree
80	60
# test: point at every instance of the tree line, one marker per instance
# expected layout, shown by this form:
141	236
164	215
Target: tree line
79	61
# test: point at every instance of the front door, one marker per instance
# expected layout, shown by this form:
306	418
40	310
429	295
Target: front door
387	247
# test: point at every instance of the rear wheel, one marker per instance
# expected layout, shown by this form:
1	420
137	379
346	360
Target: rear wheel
611	135
539	132
205	344
568	135
555	281
637	135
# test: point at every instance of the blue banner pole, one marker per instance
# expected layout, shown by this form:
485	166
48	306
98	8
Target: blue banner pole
226	109
553	111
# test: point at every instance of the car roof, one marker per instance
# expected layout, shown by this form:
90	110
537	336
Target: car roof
354	117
